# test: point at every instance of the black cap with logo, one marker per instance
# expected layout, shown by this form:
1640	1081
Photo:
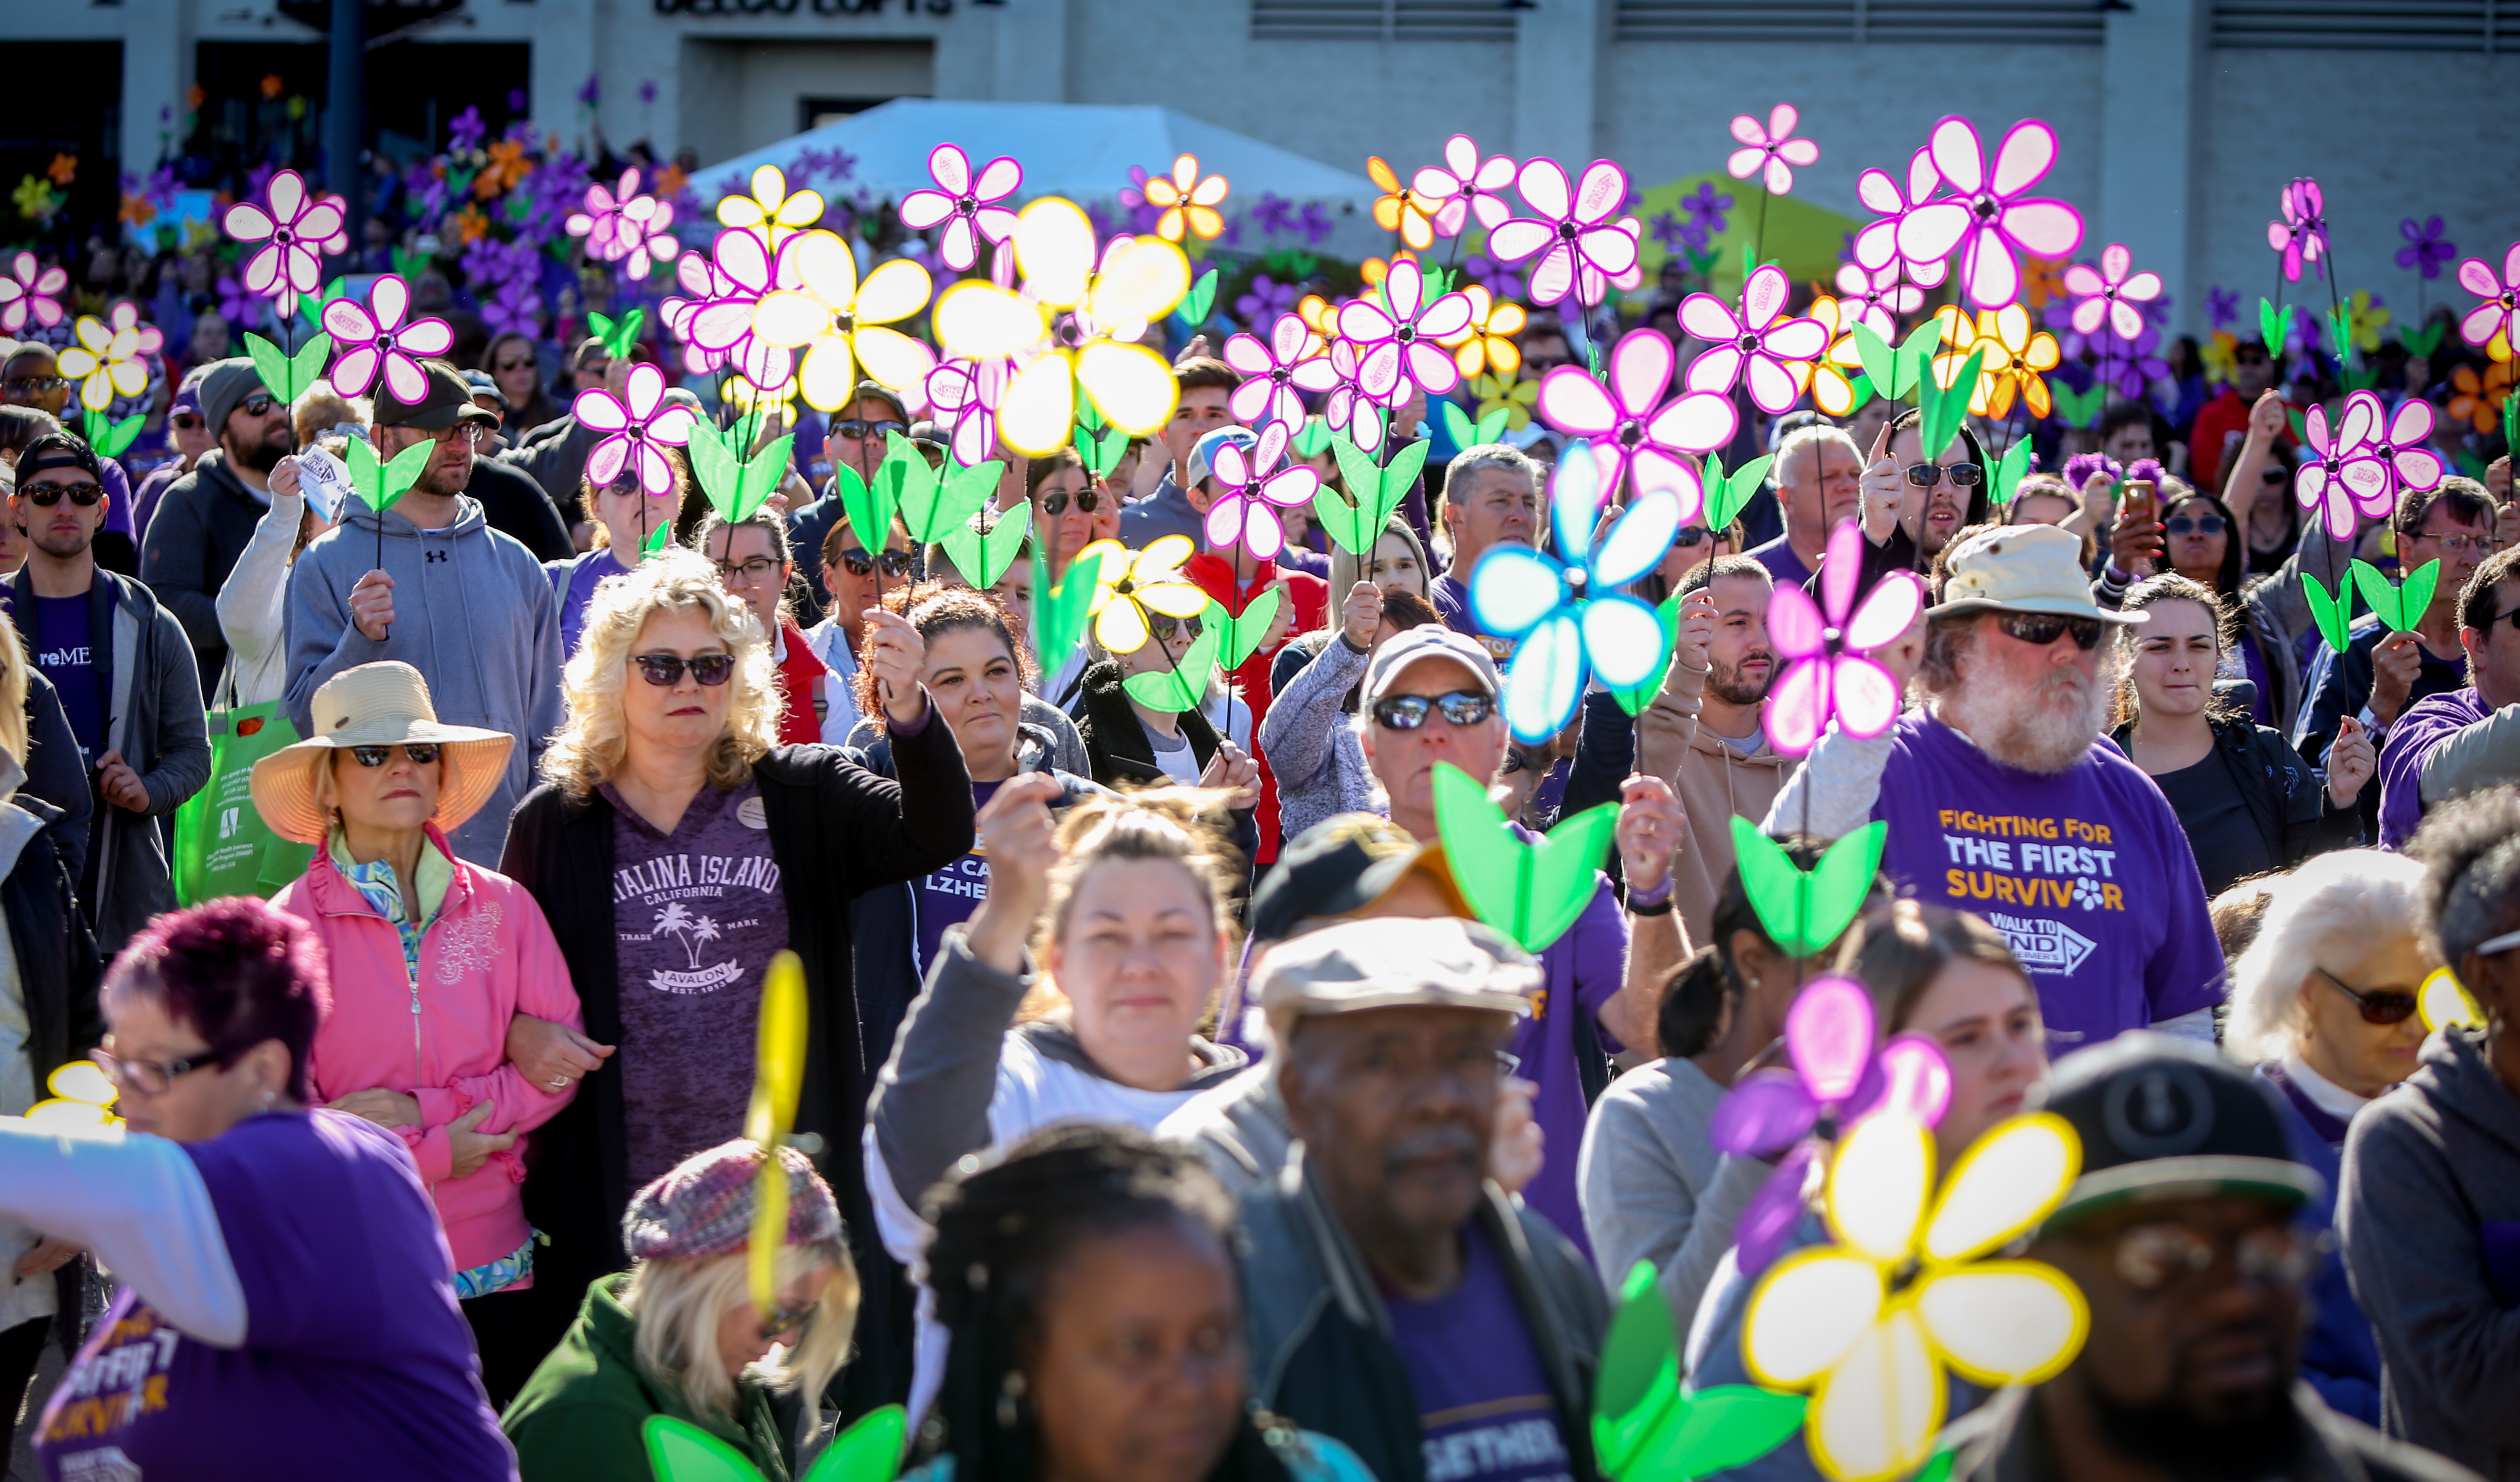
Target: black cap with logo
2163	1118
446	401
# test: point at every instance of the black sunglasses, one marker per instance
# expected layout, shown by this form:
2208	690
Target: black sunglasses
26	385
422	754
860	563
863	430
2195	524
1166	627
665	670
2377	1008
1691	535
505	366
2512	617
2274	474
2039	629
184	424
1964	475
258	405
44	496
1408	712
1055	502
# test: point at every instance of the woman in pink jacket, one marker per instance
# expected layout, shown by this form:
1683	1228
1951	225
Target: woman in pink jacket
433	962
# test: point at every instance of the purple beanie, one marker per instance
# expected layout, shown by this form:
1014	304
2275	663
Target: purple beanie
704	1206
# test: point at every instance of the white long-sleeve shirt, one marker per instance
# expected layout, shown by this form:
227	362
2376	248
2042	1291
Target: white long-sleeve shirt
252	606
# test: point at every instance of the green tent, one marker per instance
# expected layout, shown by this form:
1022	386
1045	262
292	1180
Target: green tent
1807	241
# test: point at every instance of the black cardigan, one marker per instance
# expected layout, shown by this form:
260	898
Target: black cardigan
836	831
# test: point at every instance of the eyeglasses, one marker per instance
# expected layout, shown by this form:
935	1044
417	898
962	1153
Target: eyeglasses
1408	712
788	1316
2194	524
44	496
2156	1255
505	366
2039	629
752	569
260	404
1055	502
1691	535
28	386
2512	617
2377	1008
665	670
183	424
864	430
422	754
150	1077
860	563
2455	545
1166	627
472	432
2274	474
1964	475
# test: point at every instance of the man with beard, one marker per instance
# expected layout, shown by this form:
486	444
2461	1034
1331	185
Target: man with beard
1819	474
1705	732
1491	498
2001	801
204	518
467	606
1914	504
1395	1298
2180	1233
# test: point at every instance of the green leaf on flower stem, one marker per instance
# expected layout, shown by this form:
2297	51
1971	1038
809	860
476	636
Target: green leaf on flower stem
2401	604
1945	410
1245	630
1726	493
1196	304
982	548
1805	912
2009	470
380	485
2333	614
1637	696
1180	686
1060	613
1378	489
1530	892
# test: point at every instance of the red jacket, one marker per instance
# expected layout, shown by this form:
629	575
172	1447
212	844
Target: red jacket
800	675
1213	573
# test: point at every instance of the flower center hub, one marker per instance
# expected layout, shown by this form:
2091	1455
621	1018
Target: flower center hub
1575	579
1631	433
1746	344
967	203
283	236
1066	332
1568	231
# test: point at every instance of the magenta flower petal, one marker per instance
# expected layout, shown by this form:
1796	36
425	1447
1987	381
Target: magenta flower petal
1572	401
1828	1032
355	370
1764	1111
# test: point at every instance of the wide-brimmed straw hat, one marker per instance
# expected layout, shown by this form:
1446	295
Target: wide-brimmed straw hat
380	704
2022	568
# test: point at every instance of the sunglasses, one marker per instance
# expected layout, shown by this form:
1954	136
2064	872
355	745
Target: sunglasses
2194	524
505	366
860	563
754	569
863	430
2377	1008
2039	629
1691	535
1408	712
1166	627
150	1077
2273	474
28	385
1964	475
182	424
2512	617
422	754
44	496
665	670
2154	1256
1055	502
788	1316
258	404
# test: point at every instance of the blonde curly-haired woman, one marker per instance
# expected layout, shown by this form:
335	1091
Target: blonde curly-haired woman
674	847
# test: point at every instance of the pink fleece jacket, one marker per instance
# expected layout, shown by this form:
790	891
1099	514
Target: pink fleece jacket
488	956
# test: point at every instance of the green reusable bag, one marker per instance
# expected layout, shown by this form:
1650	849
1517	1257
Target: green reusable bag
222	845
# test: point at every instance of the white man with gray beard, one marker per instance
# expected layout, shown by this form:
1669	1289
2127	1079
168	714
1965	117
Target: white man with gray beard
2003	799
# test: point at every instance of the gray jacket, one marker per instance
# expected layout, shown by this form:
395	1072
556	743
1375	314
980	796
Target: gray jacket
1311	746
2430	1217
1238	1129
1655	1190
473	612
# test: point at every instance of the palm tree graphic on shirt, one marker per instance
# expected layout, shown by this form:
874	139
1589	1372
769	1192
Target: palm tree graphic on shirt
696	932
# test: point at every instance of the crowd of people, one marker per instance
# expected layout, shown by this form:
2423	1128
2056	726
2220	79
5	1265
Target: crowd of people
1167	1112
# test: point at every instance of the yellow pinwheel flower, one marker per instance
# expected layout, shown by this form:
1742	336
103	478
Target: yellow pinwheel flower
1489	340
1189	202
772	212
1832	388
1129	584
818	302
1399	208
1869	1324
80	1101
2364	320
2444	1001
744	396
2220	355
1076	319
1321	316
1515	398
107	362
2013	357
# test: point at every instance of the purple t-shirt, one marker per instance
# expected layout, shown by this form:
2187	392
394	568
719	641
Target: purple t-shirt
1485	1413
947	897
1582	971
2088	873
1778	556
356	1360
574	582
2419	732
1452	603
695	919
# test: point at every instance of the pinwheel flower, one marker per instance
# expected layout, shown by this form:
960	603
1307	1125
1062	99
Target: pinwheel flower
1255	489
1570	228
1829	379
818	302
1758	342
374	340
1488	341
1187	202
643	237
1291	361
772	212
2477	400
2301	235
110	359
27	295
2394	461
642	425
1572	613
1772	148
2320	484
1632	429
1593	285
1398	341
1830	673
1991	215
2043	281
2111	291
1516	399
1876	298
517	309
726	288
1485	271
1135	583
2428	250
1869	1324
1463	185
2012	358
292	225
600	221
970	391
1267	299
1347	409
2495	322
966	207
2222	306
1877	248
2365	318
1399	208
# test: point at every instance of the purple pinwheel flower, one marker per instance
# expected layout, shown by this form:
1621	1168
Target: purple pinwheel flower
966	206
1267	299
1772	149
516	100
1877	300
374	340
2500	313
517	309
1396	338
1314	219
1830	673
467	130
1666	229
2322	484
1876	247
642	425
291	226
1504	284
1463	185
2111	293
1289	362
725	288
1629	425
1273	215
2130	366
2428	250
1706	208
1758	342
969	391
2301	235
591	91
1991	215
2394	461
1247	513
1570	228
235	305
29	293
648	90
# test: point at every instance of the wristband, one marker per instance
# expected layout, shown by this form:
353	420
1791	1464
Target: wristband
1656	908
1654	901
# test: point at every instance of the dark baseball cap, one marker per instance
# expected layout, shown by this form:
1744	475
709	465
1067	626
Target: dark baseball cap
1340	866
446	402
483	386
2164	1118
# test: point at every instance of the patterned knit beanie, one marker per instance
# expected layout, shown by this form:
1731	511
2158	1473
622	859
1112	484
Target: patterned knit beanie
704	1206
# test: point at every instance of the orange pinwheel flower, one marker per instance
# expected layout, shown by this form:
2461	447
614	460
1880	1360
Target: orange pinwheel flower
1187	202
508	165
1399	208
2043	281
2480	399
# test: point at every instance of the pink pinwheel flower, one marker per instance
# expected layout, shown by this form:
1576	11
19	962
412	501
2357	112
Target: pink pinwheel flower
1397	343
2301	235
1877	300
26	293
1292	360
1631	429
601	222
725	288
1463	185
340	242
2394	461
1348	409
1759	341
642	428
1830	673
292	227
2109	292
1992	214
643	236
1592	285
2320	484
970	391
374	338
2499	314
1247	513
1772	148
968	207
1570	227
1876	247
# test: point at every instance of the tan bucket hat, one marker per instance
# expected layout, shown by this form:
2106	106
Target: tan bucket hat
378	705
2022	568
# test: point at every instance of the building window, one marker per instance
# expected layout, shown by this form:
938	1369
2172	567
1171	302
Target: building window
1382	20
2069	23
2392	26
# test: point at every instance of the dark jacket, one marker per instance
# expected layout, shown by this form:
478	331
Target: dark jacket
2339	1355
2286	800
516	504
1322	1352
555	453
56	955
56	771
836	831
1116	746
196	535
2005	1440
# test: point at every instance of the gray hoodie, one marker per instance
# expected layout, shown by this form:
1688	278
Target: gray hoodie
473	612
2430	1216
